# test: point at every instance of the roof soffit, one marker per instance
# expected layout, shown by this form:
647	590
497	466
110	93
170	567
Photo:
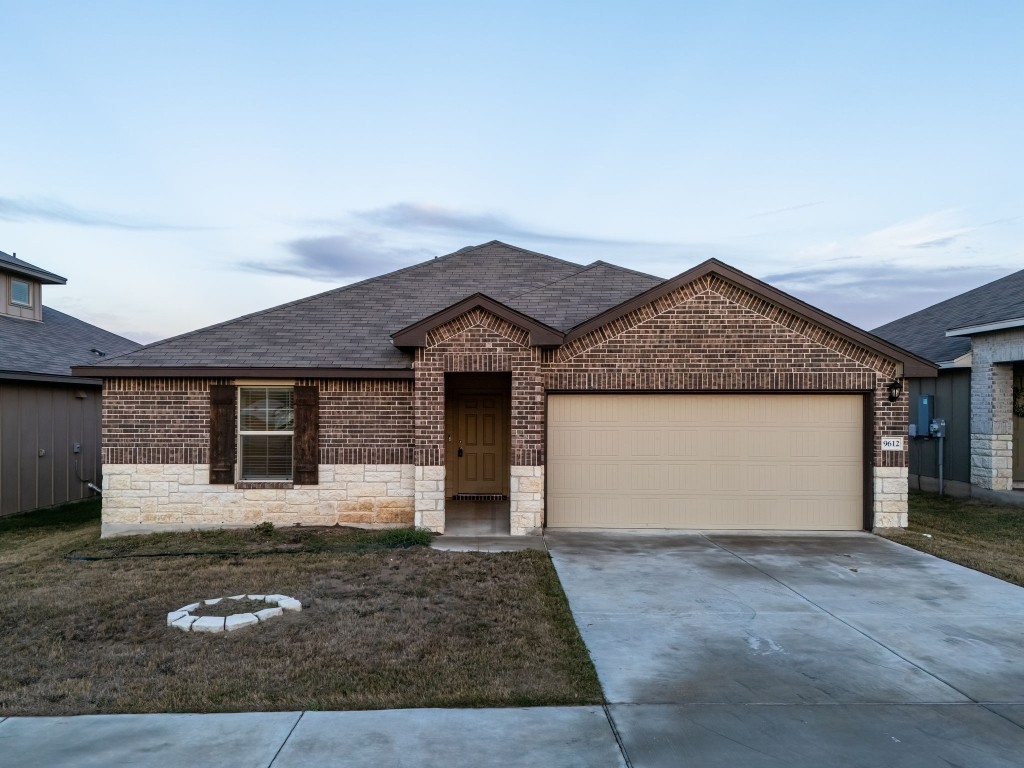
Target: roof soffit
415	335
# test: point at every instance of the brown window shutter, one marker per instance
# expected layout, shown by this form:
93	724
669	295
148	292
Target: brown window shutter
306	435
222	434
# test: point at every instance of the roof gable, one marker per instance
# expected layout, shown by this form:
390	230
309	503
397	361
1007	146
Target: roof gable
912	364
540	335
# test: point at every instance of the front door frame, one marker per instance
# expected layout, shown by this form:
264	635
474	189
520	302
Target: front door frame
458	386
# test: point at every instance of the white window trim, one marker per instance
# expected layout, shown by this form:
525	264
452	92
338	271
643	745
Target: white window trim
10	293
239	432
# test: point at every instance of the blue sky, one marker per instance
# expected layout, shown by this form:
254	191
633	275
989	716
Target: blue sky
184	163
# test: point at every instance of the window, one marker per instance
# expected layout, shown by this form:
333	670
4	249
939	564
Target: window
21	292
266	421
264	432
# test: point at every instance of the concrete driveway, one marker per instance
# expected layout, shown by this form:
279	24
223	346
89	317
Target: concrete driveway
797	650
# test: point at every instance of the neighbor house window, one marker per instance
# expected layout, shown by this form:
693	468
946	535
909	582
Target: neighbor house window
266	420
21	292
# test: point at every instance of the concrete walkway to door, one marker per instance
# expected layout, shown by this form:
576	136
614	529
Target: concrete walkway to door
797	650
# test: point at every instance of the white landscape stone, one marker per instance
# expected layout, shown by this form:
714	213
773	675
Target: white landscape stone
185	622
184	619
239	620
209	624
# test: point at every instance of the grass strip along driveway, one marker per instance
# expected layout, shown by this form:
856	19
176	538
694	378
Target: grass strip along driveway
383	625
985	537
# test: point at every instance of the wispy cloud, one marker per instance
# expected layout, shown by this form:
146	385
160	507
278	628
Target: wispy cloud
23	209
422	217
788	209
340	257
870	294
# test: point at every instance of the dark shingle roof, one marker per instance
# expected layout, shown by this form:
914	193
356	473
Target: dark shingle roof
54	345
9	263
350	327
570	301
924	332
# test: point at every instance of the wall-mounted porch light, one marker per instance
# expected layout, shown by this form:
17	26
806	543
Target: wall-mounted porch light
895	390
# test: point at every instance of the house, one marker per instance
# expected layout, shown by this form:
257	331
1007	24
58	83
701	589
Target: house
578	395
49	418
977	341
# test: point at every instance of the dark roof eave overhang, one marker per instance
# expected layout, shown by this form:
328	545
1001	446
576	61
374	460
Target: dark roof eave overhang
179	372
50	378
913	365
40	275
415	335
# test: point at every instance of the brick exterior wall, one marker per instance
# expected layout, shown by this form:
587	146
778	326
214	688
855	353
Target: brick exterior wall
364	421
157	421
708	336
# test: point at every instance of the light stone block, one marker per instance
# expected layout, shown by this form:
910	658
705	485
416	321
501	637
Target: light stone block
239	620
173	616
185	622
369	490
211	624
383	476
117	482
289	604
268	613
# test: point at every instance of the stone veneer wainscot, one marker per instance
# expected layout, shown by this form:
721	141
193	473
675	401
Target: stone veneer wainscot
141	498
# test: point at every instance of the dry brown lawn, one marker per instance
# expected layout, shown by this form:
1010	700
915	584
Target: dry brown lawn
380	628
985	537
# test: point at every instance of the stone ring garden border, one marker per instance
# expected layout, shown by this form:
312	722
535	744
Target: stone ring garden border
183	618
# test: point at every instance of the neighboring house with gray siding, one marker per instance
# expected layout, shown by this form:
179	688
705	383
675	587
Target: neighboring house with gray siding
566	395
49	418
977	340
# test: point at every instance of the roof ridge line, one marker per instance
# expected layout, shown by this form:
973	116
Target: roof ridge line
587	268
525	250
627	269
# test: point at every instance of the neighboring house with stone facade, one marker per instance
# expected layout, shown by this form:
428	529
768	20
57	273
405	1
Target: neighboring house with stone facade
49	419
569	395
977	341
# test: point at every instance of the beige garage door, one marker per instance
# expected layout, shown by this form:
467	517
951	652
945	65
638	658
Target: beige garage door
781	462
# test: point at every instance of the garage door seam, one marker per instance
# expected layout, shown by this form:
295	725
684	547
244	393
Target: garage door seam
839	619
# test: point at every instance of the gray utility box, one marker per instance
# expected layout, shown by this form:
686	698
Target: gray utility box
921	419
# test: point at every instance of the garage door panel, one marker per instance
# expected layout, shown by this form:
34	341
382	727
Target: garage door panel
705	461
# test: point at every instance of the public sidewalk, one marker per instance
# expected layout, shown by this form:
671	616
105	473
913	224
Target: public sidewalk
448	738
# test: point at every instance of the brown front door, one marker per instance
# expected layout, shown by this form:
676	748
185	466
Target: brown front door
480	447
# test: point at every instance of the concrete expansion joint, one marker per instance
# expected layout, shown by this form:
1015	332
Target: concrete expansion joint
616	734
